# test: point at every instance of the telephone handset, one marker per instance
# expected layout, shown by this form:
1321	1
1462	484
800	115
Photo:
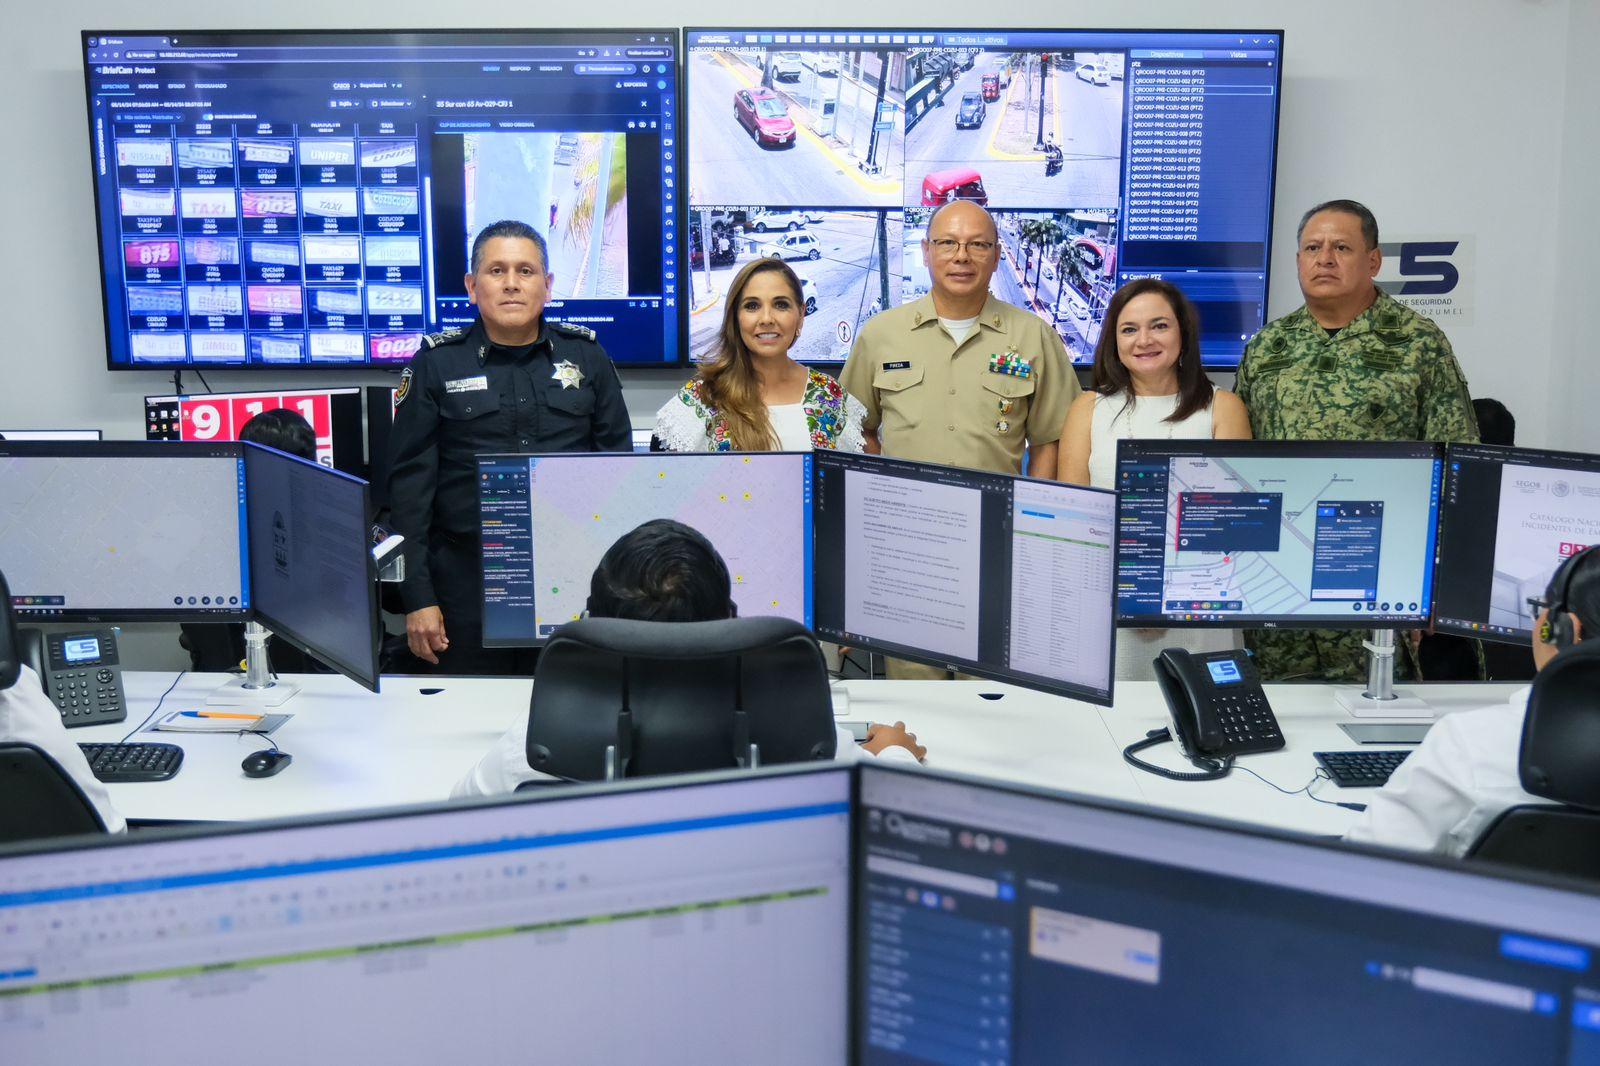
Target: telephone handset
80	673
1218	711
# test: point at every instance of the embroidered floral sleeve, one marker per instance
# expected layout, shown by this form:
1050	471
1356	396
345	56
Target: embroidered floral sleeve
683	423
852	438
832	415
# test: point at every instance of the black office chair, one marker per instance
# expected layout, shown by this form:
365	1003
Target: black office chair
37	797
1560	761
615	698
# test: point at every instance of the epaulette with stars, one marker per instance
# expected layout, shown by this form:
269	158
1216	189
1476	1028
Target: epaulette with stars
449	336
572	329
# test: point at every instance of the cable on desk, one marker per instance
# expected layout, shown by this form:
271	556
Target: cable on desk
1319	775
156	708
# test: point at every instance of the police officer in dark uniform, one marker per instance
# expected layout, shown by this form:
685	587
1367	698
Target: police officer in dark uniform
511	383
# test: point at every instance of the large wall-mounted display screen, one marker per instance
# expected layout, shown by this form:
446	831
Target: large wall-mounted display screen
1105	155
309	199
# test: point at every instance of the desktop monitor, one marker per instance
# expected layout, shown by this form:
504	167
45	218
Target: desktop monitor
1509	517
313	581
337	418
830	147
667	923
50	434
308	198
1000	924
548	519
988	574
124	531
1276	534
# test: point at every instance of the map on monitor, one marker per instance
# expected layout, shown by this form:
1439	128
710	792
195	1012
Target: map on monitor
129	536
1258	531
548	519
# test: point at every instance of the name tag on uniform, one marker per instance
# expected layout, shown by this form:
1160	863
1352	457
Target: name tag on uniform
904	364
477	384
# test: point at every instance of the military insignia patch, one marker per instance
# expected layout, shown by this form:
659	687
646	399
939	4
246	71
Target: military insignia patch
404	390
568	374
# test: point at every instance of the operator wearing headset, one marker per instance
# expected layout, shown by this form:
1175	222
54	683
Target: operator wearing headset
1464	775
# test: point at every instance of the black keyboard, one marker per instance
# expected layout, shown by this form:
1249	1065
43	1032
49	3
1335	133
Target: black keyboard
1360	769
133	762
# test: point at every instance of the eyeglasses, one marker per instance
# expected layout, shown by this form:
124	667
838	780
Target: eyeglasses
946	248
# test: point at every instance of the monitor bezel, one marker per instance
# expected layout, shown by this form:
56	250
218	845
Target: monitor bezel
672	289
1003	675
494	457
1291	449
139	449
686	130
1502	454
366	674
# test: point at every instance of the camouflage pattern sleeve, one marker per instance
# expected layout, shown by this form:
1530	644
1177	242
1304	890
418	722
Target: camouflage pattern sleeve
1447	413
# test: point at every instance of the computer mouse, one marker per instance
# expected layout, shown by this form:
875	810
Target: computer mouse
265	763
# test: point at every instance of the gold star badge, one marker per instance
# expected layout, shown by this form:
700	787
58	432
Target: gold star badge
569	376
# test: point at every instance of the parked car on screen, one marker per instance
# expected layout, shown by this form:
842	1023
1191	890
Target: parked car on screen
962	183
826	64
972	111
762	221
786	66
808	295
1093	74
765	115
790	246
991	86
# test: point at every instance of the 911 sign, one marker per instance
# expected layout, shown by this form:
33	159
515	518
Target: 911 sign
214	418
1431	276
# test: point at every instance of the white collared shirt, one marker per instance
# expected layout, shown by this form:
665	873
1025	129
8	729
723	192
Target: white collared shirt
505	766
1462	777
27	715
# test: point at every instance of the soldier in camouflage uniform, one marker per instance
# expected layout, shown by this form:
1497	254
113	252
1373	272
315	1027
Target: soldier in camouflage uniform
1351	364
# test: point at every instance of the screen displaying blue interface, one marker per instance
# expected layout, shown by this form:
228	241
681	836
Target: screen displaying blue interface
309	199
1277	533
998	926
1224	672
1105	156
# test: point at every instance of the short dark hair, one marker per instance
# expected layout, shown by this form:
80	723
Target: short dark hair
282	428
509	227
1583	590
1111	377
1369	222
663	571
1496	424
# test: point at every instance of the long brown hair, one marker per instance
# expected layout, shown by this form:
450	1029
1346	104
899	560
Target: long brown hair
727	380
1111	377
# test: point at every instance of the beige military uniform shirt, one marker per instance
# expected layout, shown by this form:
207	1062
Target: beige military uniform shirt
971	404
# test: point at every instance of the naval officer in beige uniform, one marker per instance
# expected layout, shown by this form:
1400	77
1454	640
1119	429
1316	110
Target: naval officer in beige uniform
959	377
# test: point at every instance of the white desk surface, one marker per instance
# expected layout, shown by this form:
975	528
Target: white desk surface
353	749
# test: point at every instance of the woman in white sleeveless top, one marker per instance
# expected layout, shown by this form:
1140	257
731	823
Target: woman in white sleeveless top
1148	383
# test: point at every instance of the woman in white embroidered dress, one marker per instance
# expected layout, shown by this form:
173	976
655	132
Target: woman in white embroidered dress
748	394
1148	383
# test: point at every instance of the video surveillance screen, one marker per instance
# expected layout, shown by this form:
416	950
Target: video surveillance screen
310	199
1104	156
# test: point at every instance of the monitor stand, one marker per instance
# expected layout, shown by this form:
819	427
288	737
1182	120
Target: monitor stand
1380	700
257	688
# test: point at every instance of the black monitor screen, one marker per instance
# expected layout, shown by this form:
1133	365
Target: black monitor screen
309	198
1009	927
1276	533
984	573
1509	518
123	531
548	519
1106	155
311	571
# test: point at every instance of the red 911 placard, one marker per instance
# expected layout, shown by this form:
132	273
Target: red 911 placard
222	417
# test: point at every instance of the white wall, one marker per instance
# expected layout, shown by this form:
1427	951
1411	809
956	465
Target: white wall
1449	119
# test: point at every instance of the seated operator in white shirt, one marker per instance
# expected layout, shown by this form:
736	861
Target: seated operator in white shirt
1464	775
27	715
664	571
